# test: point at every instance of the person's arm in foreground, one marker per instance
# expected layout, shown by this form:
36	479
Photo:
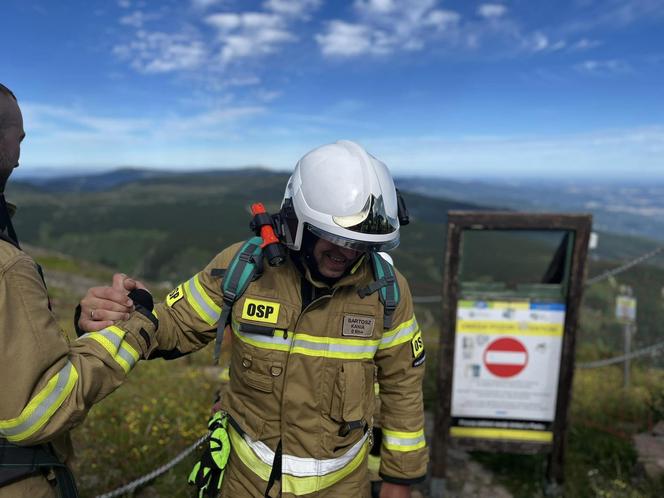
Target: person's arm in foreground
48	384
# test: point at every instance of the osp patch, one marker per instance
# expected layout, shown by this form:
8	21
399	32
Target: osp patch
417	345
174	296
260	311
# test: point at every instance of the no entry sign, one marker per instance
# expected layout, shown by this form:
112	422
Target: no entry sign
506	361
505	357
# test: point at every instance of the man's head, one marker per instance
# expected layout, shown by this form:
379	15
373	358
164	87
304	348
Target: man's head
345	197
11	134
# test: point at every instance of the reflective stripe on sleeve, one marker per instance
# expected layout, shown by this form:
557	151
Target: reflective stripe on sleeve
399	335
300	476
403	441
201	302
40	409
112	340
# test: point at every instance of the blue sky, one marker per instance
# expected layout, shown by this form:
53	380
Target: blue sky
571	88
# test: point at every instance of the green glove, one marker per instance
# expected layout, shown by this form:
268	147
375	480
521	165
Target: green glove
208	473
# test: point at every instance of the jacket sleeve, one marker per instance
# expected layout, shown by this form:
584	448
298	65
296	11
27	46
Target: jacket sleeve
189	315
49	384
400	361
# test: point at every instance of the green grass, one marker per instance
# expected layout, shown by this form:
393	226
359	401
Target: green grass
600	459
160	410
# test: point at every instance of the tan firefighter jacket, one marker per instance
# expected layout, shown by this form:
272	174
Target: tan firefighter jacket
305	377
49	384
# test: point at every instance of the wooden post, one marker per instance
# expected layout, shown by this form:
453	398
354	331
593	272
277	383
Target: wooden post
445	362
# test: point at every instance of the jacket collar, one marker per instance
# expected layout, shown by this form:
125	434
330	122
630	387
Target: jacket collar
7	210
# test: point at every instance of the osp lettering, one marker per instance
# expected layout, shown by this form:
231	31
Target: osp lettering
260	310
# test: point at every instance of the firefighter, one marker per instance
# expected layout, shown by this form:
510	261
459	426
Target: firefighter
48	384
309	337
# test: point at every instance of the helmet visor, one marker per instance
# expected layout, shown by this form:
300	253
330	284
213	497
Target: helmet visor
356	245
372	219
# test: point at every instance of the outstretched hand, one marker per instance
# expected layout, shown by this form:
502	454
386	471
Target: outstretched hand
103	306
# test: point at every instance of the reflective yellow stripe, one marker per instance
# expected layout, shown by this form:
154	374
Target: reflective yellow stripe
402	333
305	485
374	464
208	300
357	265
403	441
297	485
276	342
488	433
309	345
328	347
40	409
201	302
112	340
242	449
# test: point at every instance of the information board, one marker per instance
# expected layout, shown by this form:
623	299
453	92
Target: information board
506	366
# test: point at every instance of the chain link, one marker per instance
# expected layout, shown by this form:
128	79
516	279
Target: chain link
128	488
624	267
650	350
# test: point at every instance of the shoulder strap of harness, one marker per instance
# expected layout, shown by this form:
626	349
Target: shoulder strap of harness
245	267
386	284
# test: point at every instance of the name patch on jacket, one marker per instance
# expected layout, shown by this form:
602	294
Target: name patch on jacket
358	326
260	311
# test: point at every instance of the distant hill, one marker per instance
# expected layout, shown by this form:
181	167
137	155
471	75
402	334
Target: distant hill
98	182
635	209
165	227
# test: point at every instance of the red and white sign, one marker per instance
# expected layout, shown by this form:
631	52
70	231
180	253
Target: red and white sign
505	357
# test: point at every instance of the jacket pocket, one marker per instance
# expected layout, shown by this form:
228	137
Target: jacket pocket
352	397
255	374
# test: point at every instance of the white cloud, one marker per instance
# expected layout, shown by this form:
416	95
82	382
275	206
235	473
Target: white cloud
345	39
538	42
137	19
491	10
442	18
78	136
124	4
386	26
294	8
586	44
598	67
155	52
204	4
249	34
376	6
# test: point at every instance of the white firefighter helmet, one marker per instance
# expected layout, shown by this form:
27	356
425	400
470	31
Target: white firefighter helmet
343	194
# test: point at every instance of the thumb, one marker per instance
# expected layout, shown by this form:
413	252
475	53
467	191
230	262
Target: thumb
118	282
130	284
